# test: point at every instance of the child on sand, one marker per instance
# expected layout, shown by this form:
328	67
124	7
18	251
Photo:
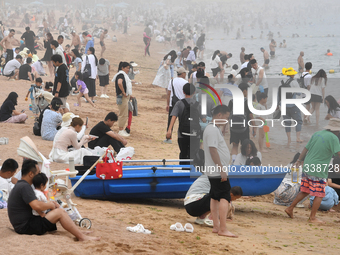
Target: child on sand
82	89
39	183
32	91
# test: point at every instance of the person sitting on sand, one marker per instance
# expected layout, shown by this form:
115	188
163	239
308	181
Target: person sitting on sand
105	135
11	69
22	200
253	161
8	114
334	175
333	108
68	137
8	170
51	120
248	149
197	200
330	200
317	153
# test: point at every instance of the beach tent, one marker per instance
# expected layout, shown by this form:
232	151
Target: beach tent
27	149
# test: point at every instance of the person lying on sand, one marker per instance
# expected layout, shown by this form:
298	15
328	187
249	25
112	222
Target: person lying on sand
22	200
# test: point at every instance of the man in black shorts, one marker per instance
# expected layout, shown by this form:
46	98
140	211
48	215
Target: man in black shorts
22	201
239	132
217	157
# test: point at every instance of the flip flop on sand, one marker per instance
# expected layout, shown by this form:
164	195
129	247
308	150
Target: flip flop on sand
208	222
189	228
139	228
177	227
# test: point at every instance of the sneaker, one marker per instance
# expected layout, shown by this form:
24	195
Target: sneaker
169	141
93	101
106	96
127	130
74	94
103	96
123	133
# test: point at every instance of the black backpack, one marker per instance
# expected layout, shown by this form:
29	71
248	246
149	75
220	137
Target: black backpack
190	124
286	84
301	81
238	128
37	124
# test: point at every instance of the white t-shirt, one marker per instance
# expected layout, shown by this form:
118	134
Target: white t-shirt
6	184
11	66
178	83
336	113
212	137
215	62
264	82
260	107
241	159
41	197
317	89
306	79
244	65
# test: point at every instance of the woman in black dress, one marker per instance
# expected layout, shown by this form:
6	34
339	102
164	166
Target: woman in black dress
48	53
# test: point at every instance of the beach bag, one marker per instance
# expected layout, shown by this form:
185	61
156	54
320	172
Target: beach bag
87	69
36	129
135	107
190	120
108	171
130	106
125	153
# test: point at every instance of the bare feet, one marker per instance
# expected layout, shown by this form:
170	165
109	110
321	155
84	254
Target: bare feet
227	234
89	238
299	140
316	220
331	210
289	212
264	151
215	230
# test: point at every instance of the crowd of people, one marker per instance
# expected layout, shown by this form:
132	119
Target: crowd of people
186	80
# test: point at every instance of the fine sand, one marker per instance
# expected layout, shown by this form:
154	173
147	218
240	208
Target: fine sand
262	227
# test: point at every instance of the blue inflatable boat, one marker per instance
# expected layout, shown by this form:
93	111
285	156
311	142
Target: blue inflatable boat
173	181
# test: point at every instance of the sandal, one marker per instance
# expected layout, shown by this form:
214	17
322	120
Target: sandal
139	228
177	227
189	228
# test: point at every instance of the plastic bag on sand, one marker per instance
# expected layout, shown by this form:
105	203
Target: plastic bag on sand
125	153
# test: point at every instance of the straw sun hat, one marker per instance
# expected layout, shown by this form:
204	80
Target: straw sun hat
333	124
67	119
288	71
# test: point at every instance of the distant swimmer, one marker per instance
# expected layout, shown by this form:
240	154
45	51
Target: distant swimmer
300	62
329	53
280	46
265	57
242	55
272	47
284	44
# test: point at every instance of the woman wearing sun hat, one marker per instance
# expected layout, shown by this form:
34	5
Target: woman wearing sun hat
292	111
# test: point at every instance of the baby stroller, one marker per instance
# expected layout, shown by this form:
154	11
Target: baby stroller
58	188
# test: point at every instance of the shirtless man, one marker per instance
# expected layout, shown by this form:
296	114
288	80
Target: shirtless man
7	44
284	44
75	40
102	44
242	54
272	47
266	58
301	62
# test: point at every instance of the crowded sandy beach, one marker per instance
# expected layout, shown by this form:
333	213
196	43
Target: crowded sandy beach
139	57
